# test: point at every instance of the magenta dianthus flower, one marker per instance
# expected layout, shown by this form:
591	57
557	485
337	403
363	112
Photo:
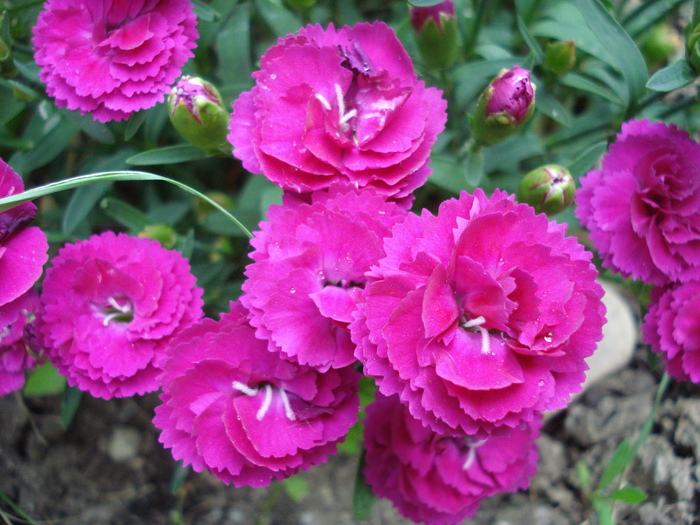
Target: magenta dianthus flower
23	249
338	105
672	328
112	58
309	264
436	479
110	306
16	336
480	316
245	414
642	206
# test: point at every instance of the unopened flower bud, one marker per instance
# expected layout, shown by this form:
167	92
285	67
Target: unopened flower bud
504	107
162	233
436	33
197	112
692	48
549	189
560	57
660	43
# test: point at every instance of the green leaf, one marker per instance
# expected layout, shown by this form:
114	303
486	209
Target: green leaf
69	405
587	159
205	13
580	82
233	47
550	106
125	214
296	487
80	205
133	124
646	14
535	48
424	3
672	77
584	474
44	380
628	494
619	461
13	200
98	131
475	167
627	57
280	20
363	497
167	155
604	511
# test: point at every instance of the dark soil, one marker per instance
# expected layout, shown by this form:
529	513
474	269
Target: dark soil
108	467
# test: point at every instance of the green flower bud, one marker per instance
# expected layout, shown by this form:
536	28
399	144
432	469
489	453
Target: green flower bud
560	57
692	48
197	112
504	107
660	43
162	233
203	208
437	34
549	189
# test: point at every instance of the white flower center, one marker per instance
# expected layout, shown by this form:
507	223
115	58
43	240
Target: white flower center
267	400
117	310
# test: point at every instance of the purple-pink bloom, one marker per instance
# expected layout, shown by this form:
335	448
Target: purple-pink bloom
672	328
309	264
479	317
438	12
23	249
641	207
511	95
436	479
111	58
245	414
110	306
16	319
338	105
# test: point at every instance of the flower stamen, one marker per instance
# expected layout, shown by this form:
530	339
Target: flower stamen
244	389
485	340
266	403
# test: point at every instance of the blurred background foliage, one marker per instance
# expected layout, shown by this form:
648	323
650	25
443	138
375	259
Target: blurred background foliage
629	62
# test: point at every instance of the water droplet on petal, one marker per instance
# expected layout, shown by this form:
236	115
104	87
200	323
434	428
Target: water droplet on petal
292	290
540	382
549	337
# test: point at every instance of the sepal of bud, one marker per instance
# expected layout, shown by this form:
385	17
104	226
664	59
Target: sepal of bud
692	48
549	189
437	34
504	107
560	57
197	112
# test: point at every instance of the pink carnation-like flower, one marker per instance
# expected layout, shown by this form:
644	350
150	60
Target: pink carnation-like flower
480	316
309	265
246	414
23	250
436	479
112	57
110	306
642	206
338	105
15	336
672	328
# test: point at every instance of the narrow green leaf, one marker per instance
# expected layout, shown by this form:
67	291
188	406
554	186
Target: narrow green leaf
233	46
80	205
296	487
675	76
167	155
205	13
646	14
17	510
611	35
363	497
550	106
280	20
69	405
185	244
535	48
649	423
424	3
475	168
13	200
604	511
619	461
587	159
125	214
44	380
629	494
97	130
582	83
584	474
133	124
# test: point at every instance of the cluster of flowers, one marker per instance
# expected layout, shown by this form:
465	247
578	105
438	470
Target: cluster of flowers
641	208
472	321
